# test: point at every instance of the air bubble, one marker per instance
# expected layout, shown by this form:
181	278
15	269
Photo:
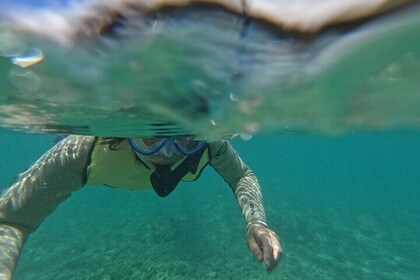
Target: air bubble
233	97
25	80
27	57
246	137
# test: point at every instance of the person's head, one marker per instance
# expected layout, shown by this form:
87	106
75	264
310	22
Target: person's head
165	150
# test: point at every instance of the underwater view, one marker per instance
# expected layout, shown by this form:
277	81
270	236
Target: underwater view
112	113
344	207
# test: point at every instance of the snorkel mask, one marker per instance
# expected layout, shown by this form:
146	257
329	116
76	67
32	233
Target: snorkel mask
167	146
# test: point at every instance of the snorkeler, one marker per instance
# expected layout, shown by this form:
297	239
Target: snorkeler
159	163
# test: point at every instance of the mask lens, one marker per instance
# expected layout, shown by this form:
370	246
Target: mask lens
147	146
187	145
150	142
152	145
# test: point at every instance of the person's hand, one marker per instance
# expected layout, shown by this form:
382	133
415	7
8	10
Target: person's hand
265	245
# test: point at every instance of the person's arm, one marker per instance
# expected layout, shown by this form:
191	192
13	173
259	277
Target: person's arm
262	241
37	192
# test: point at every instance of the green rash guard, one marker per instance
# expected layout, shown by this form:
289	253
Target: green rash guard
121	168
64	169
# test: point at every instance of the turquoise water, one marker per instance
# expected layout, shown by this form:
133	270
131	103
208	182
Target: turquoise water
345	207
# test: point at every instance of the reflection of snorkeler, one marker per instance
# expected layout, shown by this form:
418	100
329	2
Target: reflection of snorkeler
136	163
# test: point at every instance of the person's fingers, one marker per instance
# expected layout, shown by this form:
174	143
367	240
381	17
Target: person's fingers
254	247
265	245
277	252
267	248
277	249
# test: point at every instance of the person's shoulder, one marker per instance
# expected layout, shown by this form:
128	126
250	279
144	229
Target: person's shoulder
81	137
218	147
216	143
75	140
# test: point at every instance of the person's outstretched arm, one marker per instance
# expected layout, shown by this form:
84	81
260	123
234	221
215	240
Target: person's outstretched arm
262	241
37	192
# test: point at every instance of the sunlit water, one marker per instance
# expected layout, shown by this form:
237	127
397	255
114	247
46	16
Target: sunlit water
335	149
